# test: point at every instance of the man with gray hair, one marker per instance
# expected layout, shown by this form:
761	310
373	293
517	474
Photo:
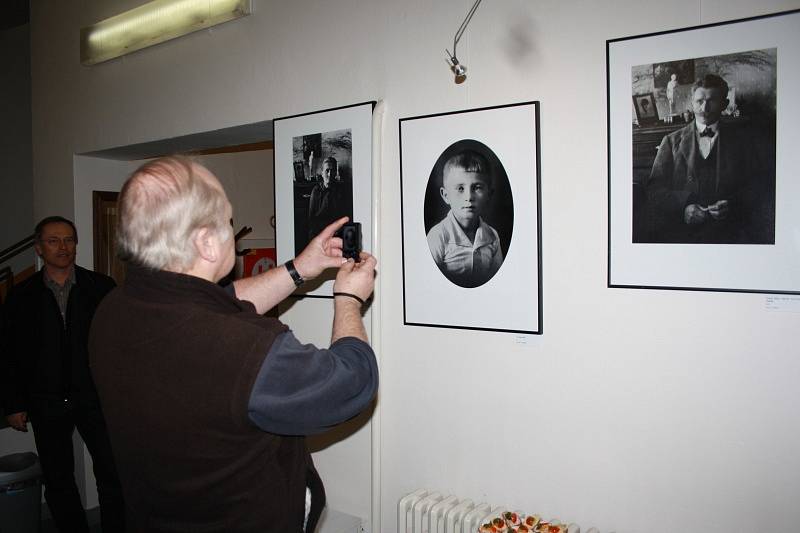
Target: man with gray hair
208	401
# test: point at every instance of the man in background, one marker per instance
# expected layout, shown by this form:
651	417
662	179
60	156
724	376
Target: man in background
47	379
328	200
713	182
208	401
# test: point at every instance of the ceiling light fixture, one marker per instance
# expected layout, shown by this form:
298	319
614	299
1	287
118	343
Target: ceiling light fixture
458	69
154	23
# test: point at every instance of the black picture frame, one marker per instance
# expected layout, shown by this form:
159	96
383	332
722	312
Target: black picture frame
343	133
646	110
494	149
752	247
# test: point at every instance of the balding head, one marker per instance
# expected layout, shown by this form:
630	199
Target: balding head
162	206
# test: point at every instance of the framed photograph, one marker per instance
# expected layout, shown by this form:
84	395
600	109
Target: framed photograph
471	223
323	171
645	105
702	197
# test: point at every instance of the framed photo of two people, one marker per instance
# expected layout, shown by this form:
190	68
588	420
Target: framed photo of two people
471	224
703	186
323	171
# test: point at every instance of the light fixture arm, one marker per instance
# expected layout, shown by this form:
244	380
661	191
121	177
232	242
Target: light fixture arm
463	27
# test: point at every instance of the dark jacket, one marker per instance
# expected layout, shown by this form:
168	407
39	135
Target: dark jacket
326	205
45	359
743	173
175	358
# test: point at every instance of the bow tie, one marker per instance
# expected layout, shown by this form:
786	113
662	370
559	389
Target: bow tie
708	132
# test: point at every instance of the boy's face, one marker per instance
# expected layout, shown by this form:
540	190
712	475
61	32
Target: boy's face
467	194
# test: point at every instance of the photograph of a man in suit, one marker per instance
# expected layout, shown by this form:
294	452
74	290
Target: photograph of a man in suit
712	182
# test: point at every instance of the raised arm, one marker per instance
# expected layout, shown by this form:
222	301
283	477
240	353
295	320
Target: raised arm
270	288
300	389
354	285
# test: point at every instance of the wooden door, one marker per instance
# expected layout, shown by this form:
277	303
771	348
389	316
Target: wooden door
105	229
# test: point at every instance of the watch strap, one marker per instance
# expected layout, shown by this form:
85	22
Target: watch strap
296	277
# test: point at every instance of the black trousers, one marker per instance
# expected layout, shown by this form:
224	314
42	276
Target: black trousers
54	422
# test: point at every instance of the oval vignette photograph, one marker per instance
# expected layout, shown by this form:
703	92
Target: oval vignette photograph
469	213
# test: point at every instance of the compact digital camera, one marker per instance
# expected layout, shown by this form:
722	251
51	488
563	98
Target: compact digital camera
350	234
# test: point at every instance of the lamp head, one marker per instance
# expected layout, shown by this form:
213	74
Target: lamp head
458	69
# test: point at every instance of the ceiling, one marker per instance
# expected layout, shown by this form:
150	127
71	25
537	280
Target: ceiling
255	136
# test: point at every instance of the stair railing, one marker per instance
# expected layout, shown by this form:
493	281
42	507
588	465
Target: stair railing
6	274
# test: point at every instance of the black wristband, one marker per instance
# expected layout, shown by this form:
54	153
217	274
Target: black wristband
349	295
296	277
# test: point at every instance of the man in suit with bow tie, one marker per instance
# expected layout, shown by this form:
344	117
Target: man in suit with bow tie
713	182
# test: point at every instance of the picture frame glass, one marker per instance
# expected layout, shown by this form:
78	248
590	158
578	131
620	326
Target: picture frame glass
323	171
471	219
713	213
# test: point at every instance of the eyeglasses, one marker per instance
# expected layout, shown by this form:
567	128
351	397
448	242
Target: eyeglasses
55	241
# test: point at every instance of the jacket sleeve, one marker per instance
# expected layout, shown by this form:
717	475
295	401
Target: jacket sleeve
302	390
668	201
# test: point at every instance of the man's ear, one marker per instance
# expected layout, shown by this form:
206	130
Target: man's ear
205	244
38	249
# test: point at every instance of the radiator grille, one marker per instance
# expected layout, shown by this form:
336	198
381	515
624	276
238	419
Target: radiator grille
425	511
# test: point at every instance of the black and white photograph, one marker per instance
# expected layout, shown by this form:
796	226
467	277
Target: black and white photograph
698	206
471	219
323	171
711	177
323	182
469	213
645	105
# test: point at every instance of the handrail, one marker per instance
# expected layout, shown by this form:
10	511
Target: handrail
6	274
17	248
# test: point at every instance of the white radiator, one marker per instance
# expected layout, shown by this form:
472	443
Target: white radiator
424	511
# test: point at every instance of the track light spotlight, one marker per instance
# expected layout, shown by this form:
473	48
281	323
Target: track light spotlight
458	69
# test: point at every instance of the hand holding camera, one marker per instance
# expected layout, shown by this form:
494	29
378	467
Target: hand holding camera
356	279
351	237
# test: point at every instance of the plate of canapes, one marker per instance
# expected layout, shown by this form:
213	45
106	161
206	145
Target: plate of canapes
511	522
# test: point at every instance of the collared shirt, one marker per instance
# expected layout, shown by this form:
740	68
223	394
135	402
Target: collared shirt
464	262
61	292
705	142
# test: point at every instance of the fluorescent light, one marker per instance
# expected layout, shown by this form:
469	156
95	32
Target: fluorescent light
154	23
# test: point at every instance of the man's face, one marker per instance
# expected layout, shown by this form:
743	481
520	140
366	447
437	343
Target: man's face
708	104
467	194
328	173
57	247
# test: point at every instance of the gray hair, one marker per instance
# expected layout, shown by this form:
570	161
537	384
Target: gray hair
161	207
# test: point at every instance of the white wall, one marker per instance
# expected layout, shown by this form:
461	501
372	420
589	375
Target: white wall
248	181
636	410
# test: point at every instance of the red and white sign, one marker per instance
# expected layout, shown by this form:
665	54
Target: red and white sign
258	260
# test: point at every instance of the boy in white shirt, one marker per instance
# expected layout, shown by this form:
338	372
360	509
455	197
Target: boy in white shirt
465	248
